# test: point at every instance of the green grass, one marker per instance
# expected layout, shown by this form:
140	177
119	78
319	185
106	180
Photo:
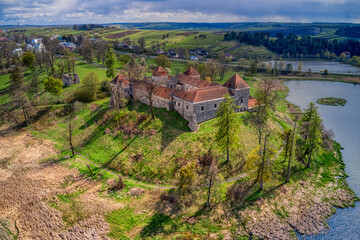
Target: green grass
82	68
4	85
175	40
159	143
121	221
67	198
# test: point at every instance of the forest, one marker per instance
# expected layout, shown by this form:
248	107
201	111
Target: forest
349	32
294	46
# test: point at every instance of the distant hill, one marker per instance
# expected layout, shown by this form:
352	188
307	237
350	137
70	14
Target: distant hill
252	26
87	26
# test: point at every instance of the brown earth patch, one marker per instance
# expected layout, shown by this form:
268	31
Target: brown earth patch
351	79
301	206
29	192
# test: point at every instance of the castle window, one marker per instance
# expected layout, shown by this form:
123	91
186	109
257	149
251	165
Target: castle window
215	105
178	104
187	107
241	100
202	108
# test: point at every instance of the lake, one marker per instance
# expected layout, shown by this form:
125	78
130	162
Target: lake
320	65
345	122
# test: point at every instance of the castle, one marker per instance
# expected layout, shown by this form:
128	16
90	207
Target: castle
194	99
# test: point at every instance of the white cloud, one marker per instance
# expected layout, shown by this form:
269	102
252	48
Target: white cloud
109	11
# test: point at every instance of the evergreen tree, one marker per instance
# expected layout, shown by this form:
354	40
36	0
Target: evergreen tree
227	134
311	131
17	79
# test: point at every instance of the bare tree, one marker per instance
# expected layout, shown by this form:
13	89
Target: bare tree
149	86
266	99
101	50
290	152
212	175
35	85
7	114
21	101
87	50
133	70
70	138
117	97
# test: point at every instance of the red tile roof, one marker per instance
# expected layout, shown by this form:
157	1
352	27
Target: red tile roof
192	72
236	82
252	102
122	80
163	92
196	82
202	94
159	71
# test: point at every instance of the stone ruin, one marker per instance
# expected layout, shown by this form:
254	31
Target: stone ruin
70	79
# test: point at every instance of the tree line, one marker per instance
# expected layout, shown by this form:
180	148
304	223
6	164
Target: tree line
349	32
295	46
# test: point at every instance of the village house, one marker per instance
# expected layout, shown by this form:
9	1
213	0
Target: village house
194	99
159	51
18	52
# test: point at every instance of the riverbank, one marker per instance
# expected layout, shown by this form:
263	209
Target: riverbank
305	204
344	122
328	78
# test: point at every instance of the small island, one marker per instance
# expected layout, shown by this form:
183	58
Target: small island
332	101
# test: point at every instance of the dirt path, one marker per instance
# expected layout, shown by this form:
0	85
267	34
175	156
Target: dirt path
29	204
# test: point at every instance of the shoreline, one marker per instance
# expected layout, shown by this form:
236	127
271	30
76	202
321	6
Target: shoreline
302	207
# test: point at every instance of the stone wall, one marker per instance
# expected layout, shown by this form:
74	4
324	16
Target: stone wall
242	98
117	89
158	102
70	79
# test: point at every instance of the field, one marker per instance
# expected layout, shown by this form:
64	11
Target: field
242	50
121	34
193	39
47	31
174	39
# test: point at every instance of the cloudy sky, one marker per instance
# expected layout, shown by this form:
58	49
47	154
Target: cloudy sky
112	11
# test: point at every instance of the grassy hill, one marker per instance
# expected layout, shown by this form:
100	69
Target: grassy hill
130	143
173	39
